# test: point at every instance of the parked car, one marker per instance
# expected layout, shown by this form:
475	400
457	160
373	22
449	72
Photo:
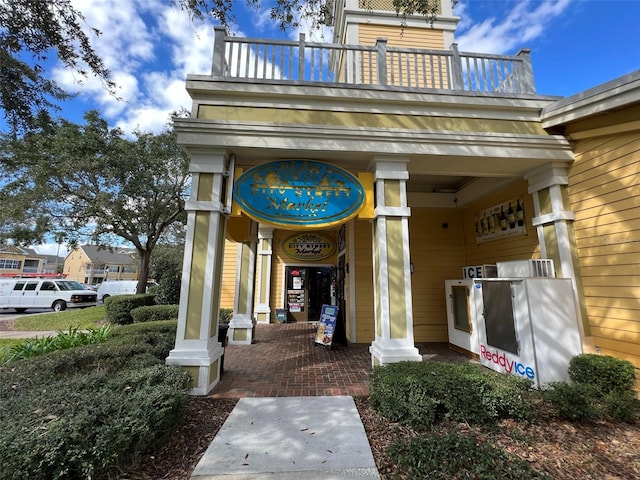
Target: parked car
23	293
118	287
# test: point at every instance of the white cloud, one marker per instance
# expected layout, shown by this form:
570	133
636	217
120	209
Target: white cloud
526	21
149	46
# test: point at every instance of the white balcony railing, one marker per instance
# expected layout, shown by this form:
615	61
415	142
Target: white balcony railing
358	65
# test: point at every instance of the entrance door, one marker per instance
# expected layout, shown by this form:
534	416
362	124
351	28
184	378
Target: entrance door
308	288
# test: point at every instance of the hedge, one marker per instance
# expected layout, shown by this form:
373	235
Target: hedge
91	411
118	307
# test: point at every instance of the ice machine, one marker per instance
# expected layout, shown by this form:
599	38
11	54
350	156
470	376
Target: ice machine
527	326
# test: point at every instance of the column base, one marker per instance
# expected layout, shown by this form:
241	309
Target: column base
393	351
263	314
241	331
203	364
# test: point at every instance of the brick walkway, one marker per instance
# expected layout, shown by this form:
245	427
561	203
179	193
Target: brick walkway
285	362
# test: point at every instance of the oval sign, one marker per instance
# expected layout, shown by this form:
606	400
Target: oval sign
309	246
299	194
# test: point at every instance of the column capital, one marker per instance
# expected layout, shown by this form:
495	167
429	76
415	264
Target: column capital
547	175
265	232
393	168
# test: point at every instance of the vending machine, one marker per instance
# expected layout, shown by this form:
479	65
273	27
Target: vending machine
462	322
528	327
517	325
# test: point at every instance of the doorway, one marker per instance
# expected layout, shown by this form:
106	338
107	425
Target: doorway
307	289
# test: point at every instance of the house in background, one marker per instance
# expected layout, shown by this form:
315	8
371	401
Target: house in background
92	265
16	261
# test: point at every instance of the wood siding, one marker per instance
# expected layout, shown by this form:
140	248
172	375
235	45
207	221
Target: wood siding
229	267
604	193
362	267
406	70
437	254
409	37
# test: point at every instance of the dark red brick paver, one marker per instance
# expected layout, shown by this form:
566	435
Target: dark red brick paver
285	362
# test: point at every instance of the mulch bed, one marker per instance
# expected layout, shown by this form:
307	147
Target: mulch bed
589	451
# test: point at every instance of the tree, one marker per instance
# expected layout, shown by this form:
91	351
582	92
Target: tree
31	30
89	181
166	269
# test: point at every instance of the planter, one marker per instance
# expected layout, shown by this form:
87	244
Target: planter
223	329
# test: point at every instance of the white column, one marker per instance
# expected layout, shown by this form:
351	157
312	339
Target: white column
197	348
242	323
263	283
393	309
553	222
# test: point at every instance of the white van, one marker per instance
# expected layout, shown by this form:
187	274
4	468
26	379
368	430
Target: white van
23	293
118	287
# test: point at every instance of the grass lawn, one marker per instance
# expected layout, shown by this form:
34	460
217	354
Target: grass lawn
82	318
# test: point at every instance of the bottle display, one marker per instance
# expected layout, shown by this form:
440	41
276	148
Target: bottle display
519	214
511	217
501	220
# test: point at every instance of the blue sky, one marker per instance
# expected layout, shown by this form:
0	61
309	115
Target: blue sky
150	46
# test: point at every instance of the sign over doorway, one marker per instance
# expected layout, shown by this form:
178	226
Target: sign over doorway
309	246
299	194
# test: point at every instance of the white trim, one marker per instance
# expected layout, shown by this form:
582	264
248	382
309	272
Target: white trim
547	176
351	245
386	352
204	161
407	279
186	276
553	217
384	211
208	206
622	91
383	266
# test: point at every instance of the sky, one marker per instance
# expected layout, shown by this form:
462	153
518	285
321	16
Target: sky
150	46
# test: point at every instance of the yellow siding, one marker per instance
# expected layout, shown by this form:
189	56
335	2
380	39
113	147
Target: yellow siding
502	249
403	69
437	254
362	267
409	37
229	274
604	194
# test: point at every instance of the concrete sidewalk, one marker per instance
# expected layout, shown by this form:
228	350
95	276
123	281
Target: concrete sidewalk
290	438
27	334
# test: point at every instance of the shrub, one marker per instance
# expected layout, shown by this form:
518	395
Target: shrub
168	289
622	406
454	456
63	432
602	387
89	411
606	373
420	393
226	314
154	313
574	401
118	308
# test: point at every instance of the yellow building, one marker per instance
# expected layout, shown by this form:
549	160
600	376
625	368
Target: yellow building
366	179
92	265
604	194
19	261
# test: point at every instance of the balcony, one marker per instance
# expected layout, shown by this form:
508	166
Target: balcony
378	66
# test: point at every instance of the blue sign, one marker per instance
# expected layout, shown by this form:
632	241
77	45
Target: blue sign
299	194
326	325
